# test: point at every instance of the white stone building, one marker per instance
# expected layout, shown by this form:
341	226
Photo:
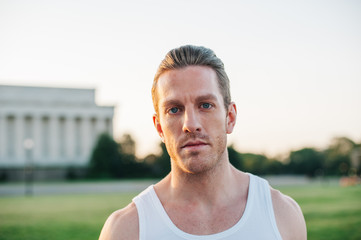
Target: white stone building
49	127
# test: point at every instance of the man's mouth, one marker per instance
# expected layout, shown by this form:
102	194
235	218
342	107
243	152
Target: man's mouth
194	144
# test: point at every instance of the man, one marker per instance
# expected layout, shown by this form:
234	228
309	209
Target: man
204	196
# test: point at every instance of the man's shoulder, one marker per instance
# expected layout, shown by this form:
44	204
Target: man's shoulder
121	224
289	217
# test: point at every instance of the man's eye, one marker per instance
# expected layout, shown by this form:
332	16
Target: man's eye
173	110
206	105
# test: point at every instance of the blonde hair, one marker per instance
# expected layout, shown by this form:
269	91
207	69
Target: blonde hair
190	55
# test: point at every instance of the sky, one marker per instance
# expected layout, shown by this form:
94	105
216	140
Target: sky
294	66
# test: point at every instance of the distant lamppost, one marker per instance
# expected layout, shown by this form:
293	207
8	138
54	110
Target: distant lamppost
29	145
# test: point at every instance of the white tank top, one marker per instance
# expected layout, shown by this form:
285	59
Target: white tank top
258	220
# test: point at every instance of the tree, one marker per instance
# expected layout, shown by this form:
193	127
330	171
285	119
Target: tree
306	161
127	145
161	166
254	163
105	160
274	166
132	167
235	158
127	156
338	156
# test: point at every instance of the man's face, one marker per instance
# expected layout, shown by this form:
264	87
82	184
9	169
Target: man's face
192	119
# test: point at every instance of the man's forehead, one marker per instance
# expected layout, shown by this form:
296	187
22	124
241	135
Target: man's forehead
192	77
191	82
190	70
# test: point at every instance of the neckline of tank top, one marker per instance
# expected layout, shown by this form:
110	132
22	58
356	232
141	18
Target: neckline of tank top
215	236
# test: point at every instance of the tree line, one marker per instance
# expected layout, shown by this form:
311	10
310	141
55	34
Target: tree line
115	160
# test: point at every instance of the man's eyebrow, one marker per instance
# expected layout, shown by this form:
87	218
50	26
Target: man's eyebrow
173	102
170	102
206	97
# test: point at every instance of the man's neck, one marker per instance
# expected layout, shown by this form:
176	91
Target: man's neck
205	203
211	187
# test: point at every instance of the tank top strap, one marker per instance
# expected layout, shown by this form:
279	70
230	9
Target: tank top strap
143	202
263	201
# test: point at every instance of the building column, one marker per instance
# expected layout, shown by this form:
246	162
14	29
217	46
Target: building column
70	138
19	138
54	138
2	138
109	125
101	126
78	132
37	135
87	137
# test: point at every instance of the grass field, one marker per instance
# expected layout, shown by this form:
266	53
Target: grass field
331	212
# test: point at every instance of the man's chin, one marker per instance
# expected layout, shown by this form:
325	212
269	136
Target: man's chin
198	170
195	163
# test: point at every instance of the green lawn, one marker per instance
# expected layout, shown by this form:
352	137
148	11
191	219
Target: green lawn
331	212
57	217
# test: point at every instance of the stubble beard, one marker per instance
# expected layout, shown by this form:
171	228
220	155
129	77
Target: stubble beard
198	162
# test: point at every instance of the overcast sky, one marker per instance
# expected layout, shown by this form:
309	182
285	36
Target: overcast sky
294	66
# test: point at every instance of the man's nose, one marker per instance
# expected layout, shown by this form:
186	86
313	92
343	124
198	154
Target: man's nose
191	121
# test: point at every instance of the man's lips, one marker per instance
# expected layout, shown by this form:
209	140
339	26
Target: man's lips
194	144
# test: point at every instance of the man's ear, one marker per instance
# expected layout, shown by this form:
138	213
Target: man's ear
157	126
231	117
